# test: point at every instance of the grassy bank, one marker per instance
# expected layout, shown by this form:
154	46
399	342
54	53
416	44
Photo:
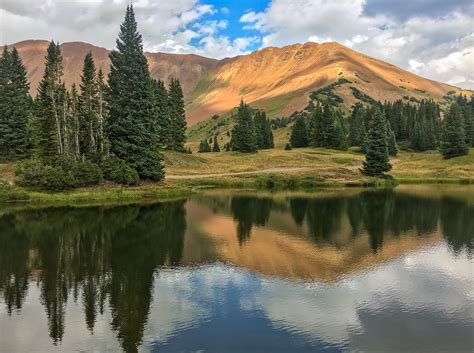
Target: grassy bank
272	169
325	166
97	194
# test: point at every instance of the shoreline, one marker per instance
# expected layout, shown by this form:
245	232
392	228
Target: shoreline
184	187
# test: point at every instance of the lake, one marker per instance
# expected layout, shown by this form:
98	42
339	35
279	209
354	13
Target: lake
237	271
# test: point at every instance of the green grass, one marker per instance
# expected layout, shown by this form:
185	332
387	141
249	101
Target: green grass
15	194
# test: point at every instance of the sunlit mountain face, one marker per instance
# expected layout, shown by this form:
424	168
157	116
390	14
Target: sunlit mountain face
362	270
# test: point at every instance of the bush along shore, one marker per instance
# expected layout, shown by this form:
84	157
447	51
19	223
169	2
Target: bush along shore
10	193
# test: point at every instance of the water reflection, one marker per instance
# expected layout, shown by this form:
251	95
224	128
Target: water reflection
102	253
126	268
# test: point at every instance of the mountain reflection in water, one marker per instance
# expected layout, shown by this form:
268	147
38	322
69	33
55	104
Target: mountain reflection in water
223	271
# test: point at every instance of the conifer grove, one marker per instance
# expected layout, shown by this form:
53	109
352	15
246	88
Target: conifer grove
103	128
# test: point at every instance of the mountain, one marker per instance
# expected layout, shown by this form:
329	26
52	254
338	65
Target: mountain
276	79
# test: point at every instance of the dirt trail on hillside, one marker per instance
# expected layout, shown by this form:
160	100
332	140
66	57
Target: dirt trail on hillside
255	172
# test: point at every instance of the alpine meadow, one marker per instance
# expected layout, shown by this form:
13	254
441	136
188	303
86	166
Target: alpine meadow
210	184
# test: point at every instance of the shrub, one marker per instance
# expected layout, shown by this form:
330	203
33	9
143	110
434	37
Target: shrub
118	171
32	173
288	147
85	173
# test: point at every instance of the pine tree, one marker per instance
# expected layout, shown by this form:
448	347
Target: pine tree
392	142
75	122
177	115
299	133
215	147
49	108
453	139
89	108
468	118
357	125
102	113
204	147
131	120
263	131
243	135
339	140
327	126
163	118
16	107
376	156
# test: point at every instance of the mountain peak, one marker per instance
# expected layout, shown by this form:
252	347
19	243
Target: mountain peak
278	80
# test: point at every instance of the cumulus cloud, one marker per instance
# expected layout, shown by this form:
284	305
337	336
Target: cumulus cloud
429	37
174	26
433	38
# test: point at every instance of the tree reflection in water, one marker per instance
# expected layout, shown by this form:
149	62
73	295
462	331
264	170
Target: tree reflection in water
101	256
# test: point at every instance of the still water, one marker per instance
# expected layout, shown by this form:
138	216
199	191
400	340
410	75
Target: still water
332	271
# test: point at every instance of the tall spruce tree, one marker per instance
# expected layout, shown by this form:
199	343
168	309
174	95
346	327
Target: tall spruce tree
177	115
215	146
468	118
453	139
163	118
357	125
376	162
314	125
299	133
102	113
49	107
204	147
243	134
131	122
75	122
16	107
327	126
89	108
263	131
391	140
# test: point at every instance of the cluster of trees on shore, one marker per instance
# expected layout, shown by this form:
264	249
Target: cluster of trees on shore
75	137
380	129
252	131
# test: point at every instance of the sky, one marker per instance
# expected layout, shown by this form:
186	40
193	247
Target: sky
433	38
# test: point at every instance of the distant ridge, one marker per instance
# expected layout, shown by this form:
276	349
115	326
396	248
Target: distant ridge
276	79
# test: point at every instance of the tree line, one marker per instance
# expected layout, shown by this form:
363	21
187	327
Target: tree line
252	131
381	129
113	130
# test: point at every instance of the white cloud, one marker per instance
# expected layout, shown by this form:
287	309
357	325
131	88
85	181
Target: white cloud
438	35
171	26
440	42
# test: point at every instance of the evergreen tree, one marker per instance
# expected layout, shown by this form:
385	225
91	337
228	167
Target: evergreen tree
357	125
453	139
89	108
132	122
177	116
49	108
299	133
164	125
315	124
339	140
16	107
376	157
215	147
263	131
392	142
75	122
204	147
327	133
102	113
468	118
243	135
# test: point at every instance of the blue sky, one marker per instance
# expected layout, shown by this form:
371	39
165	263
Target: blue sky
433	38
231	12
